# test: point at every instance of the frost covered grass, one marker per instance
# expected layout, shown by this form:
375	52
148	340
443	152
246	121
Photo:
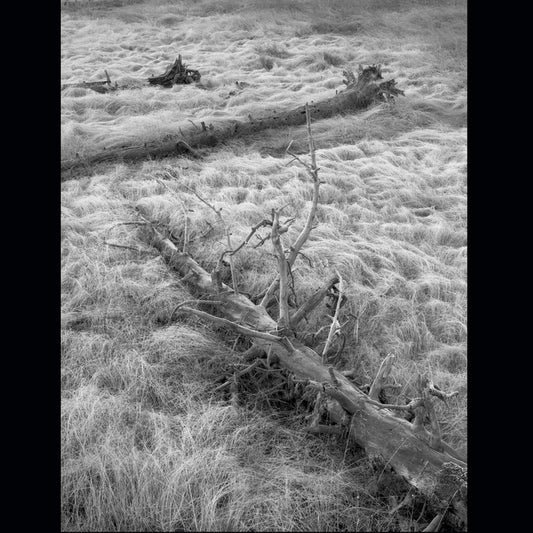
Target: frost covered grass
145	445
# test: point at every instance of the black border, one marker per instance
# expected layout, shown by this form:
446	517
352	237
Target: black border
496	266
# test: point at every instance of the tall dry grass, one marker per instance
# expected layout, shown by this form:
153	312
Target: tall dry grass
145	445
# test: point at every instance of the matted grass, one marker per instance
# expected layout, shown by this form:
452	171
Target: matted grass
145	445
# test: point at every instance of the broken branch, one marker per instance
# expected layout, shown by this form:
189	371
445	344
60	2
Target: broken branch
304	234
232	325
283	320
335	326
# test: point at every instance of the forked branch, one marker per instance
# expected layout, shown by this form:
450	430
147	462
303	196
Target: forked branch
304	234
283	320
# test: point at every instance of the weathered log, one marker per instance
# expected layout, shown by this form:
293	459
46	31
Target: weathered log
358	95
376	429
176	73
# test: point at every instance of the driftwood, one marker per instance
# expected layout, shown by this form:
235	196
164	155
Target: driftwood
374	427
359	94
176	74
417	454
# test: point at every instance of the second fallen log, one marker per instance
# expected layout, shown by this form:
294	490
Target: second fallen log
359	94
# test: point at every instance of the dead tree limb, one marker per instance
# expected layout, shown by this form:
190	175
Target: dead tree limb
227	233
359	95
176	73
377	430
416	454
232	325
335	325
304	234
283	320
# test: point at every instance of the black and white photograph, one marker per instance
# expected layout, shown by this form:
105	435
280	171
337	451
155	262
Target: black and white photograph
263	218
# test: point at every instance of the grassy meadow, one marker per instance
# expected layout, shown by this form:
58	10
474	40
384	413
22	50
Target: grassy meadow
146	443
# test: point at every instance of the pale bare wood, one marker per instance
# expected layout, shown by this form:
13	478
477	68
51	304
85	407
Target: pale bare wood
304	234
435	435
376	429
313	172
440	394
232	325
283	320
335	326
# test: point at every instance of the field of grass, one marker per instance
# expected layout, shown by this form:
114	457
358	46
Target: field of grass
146	445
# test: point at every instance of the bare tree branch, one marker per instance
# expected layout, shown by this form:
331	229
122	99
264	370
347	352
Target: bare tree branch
250	235
197	302
444	396
227	232
335	326
313	172
304	234
435	438
283	320
233	325
132	248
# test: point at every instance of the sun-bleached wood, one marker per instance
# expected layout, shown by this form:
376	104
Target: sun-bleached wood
378	430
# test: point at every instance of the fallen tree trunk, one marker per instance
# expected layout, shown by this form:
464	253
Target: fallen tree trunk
359	94
376	429
415	453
